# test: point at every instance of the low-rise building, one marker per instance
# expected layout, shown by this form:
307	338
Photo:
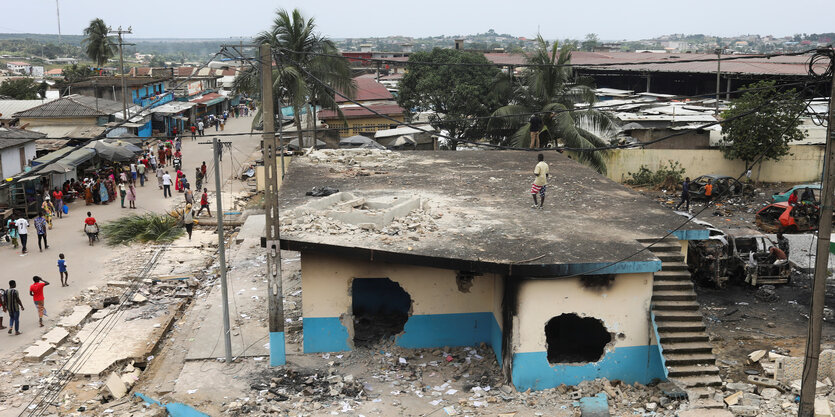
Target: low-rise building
430	249
17	149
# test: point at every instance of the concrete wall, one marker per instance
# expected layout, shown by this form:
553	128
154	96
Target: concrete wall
441	315
360	125
624	307
803	165
259	173
10	159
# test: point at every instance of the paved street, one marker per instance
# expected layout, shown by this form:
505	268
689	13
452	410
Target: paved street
85	263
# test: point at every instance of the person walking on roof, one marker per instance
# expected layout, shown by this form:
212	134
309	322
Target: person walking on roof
540	183
685	194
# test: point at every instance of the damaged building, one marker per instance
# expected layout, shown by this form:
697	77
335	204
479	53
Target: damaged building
438	249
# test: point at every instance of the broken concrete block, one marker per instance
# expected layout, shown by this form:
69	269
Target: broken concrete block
822	408
79	313
139	298
118	284
756	355
734	398
56	336
768	383
98	315
820	387
704	412
38	351
131	378
115	386
744	410
740	386
770	393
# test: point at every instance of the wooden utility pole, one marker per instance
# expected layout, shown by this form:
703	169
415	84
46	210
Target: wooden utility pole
275	300
119	32
810	366
718	74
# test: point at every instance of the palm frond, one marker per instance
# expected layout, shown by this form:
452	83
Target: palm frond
151	227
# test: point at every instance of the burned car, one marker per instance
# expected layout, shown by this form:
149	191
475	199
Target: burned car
722	185
740	255
785	218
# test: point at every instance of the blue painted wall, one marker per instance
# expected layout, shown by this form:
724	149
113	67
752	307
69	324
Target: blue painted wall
145	131
327	334
629	364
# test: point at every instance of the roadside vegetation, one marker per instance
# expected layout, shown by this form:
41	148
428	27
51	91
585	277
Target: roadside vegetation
145	228
667	177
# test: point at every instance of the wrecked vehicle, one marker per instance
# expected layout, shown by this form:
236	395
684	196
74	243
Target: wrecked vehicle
799	189
722	184
785	218
739	255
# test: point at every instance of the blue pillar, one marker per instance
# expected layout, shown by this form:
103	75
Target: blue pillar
277	354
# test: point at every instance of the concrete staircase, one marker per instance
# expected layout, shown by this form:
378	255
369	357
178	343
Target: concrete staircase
685	346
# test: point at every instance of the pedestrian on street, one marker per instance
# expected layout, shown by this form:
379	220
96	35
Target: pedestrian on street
133	173
11	226
140	171
178	144
58	199
200	127
203	170
204	203
189	195
540	183
132	196
62	270
186	216
193	129
13	306
36	291
91	228
166	185
122	193
40	228
685	195
23	231
160	174
222	124
2	306
217	124
153	160
48	210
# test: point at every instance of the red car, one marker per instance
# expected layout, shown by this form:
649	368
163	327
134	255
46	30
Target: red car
781	217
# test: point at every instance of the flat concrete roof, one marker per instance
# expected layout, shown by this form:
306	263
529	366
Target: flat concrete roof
478	204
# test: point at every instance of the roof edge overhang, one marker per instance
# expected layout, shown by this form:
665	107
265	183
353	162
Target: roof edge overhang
520	270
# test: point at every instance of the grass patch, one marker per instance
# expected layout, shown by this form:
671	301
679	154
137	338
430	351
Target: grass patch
151	227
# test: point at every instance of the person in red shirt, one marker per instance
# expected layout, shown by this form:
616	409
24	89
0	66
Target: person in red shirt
193	129
204	203
36	291
793	199
91	228
58	198
161	157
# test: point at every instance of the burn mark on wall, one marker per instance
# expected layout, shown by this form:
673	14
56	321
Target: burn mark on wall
573	339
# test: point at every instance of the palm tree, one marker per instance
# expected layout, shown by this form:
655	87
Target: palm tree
551	88
309	67
97	44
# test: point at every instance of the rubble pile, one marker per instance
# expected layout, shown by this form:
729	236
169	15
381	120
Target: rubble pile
414	226
359	159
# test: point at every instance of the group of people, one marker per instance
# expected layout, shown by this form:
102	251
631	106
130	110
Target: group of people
12	305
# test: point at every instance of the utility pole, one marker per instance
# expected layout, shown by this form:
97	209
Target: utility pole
718	74
58	12
119	32
275	300
810	366
221	250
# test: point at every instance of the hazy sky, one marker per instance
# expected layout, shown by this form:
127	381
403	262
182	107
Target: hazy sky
610	19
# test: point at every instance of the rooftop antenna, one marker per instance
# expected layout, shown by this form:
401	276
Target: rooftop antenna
58	12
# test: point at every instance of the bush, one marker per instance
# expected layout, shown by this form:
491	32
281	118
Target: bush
158	228
665	177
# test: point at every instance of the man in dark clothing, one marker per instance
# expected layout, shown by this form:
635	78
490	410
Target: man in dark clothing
685	194
536	126
783	243
13	306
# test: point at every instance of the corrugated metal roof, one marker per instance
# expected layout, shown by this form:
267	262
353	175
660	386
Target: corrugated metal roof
108	81
9	107
52	156
61	131
357	112
368	89
173	107
74	105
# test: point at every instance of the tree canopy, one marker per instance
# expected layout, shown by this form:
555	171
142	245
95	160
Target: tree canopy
458	94
21	89
97	45
772	124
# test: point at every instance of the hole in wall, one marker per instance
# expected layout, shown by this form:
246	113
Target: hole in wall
603	281
464	280
570	338
380	309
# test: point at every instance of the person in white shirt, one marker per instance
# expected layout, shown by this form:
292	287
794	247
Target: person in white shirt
23	231
132	173
200	127
166	185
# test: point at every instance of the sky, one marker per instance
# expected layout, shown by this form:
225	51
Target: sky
554	19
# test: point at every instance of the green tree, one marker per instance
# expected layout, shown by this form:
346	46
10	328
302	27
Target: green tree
20	89
97	45
73	73
304	58
768	130
551	88
458	88
157	61
591	42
